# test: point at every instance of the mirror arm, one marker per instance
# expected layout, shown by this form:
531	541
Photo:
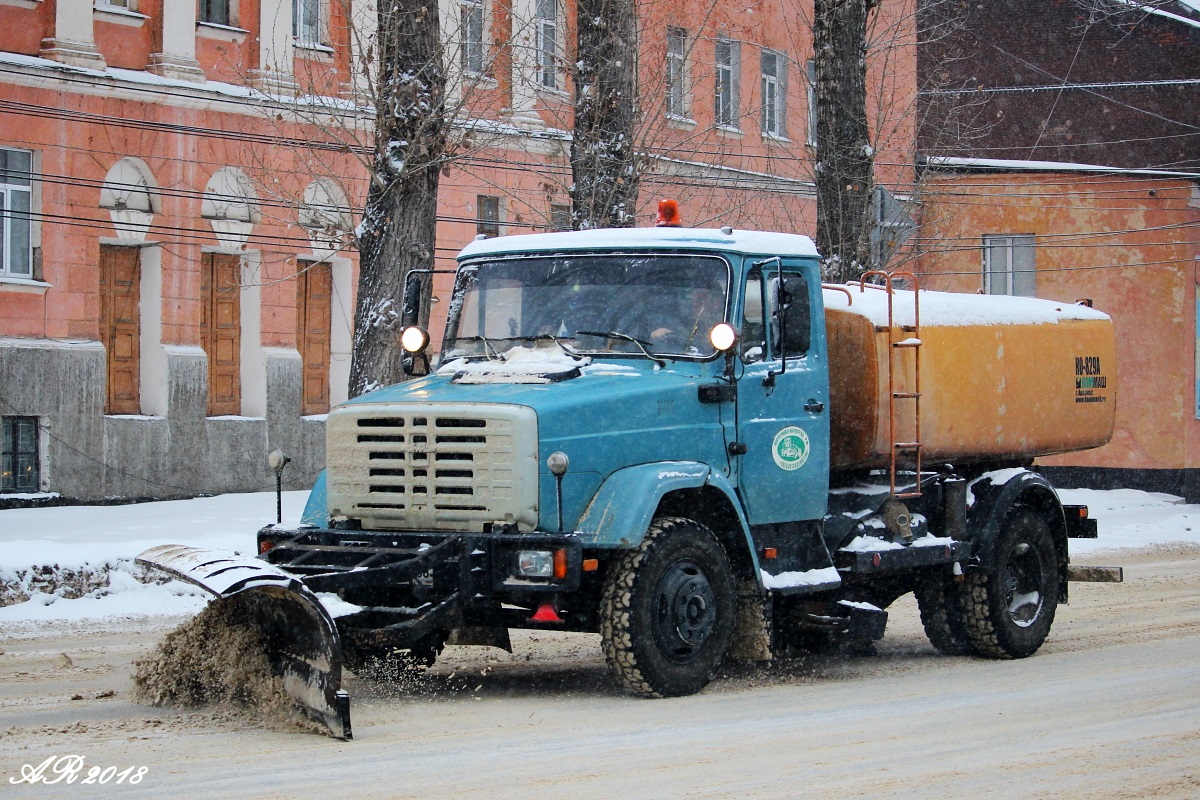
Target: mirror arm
780	319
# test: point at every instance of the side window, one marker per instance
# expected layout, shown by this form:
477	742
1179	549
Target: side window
793	338
753	335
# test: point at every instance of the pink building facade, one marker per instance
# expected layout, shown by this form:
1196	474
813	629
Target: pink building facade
181	183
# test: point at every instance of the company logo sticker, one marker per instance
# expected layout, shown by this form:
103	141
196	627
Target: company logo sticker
790	448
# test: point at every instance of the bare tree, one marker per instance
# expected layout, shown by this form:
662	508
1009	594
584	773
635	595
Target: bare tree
605	169
845	157
400	218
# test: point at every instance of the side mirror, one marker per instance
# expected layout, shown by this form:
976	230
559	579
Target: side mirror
410	306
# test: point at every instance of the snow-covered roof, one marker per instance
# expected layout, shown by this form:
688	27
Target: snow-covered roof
1190	6
999	164
735	241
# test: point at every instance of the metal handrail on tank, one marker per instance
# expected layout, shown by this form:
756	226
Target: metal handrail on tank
834	288
912	342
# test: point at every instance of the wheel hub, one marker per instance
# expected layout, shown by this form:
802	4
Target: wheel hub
1023	580
685	611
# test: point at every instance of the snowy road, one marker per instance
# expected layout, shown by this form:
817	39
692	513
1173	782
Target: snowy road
1109	708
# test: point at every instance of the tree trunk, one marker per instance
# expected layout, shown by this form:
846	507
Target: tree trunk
400	218
604	167
845	158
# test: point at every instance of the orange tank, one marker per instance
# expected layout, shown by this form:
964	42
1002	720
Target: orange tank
1001	378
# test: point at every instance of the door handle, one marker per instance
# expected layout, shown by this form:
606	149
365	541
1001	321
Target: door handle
814	406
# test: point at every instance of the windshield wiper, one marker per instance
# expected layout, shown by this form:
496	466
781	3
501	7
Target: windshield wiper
643	346
490	350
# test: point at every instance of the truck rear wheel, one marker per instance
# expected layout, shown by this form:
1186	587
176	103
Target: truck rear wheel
941	605
667	610
1009	606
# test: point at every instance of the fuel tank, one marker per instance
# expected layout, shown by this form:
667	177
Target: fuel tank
1001	378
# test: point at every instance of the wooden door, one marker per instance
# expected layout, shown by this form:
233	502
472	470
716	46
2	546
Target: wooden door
314	294
120	326
221	330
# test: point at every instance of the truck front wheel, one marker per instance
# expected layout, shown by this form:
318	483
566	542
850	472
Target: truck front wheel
667	610
1009	605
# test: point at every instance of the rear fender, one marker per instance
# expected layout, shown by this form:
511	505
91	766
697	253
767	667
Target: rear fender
623	507
995	495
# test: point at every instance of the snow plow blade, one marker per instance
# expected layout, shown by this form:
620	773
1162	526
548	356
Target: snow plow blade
302	639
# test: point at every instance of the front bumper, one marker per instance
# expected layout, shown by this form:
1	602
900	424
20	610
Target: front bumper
412	584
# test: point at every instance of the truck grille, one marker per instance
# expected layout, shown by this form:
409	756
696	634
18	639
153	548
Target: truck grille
433	466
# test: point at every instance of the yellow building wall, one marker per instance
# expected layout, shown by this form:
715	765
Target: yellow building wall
1128	243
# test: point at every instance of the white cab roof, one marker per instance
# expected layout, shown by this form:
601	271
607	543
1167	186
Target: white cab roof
738	241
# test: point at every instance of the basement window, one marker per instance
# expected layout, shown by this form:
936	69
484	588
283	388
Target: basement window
19	467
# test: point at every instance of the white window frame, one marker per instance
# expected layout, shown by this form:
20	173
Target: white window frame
1016	277
310	35
810	75
774	94
560	217
471	55
676	73
726	61
482	222
230	6
15	215
548	49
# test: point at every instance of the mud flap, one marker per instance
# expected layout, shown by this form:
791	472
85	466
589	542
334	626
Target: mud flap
302	640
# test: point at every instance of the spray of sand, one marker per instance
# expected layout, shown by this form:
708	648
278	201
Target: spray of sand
218	658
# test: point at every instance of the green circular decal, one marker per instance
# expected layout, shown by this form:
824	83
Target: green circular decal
790	448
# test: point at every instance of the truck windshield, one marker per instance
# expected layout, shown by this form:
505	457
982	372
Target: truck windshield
661	304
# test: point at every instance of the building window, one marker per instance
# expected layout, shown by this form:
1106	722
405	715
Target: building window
1008	265
306	21
810	72
221	330
489	215
470	50
676	72
217	12
774	93
560	217
726	106
547	43
314	295
16	186
19	471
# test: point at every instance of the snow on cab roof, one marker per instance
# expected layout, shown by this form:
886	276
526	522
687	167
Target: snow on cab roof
955	309
736	241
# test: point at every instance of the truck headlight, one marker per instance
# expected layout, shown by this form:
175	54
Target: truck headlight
535	563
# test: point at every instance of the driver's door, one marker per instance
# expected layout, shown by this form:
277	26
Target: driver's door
783	393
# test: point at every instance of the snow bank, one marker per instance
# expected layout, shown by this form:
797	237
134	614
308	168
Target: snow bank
1130	519
76	562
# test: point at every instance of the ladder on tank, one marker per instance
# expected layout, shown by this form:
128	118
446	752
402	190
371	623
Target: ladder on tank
912	342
